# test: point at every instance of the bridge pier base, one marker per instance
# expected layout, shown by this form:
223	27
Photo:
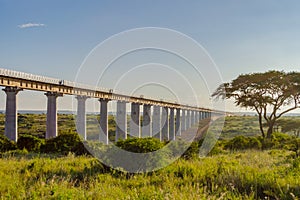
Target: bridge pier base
121	121
135	120
81	116
146	128
51	129
11	115
172	125
103	137
156	132
165	123
178	123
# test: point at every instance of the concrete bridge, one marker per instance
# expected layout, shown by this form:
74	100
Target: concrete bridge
165	120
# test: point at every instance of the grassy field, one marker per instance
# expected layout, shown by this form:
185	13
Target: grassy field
241	175
227	174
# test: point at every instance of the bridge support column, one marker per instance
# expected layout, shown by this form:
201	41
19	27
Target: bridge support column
192	118
81	116
183	121
51	129
156	132
165	123
146	129
121	121
172	125
103	121
197	117
135	120
178	123
11	115
188	119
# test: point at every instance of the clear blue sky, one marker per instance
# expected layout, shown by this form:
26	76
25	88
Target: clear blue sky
240	36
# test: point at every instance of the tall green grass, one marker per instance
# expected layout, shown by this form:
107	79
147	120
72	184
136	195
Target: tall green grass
241	175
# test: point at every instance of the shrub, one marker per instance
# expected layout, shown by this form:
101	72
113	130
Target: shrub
254	143
64	144
192	151
237	143
140	145
278	141
29	142
242	143
146	159
6	144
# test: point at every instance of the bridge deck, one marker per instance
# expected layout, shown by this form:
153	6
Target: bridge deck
41	83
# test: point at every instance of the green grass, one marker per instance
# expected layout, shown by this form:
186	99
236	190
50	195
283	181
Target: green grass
241	175
247	174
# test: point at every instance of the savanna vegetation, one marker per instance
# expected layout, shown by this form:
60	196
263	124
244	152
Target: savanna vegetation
271	95
242	165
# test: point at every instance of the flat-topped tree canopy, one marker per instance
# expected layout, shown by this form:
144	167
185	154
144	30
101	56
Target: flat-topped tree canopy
271	94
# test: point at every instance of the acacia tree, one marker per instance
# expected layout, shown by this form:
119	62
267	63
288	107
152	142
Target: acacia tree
271	94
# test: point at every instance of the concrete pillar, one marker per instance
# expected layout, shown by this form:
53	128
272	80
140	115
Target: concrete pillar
135	120
183	121
121	121
172	125
81	116
178	123
156	132
201	115
51	129
165	123
188	119
192	117
103	121
11	116
147	126
196	117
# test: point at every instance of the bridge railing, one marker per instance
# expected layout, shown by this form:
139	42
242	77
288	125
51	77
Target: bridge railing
27	76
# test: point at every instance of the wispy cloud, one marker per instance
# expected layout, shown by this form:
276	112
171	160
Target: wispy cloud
30	25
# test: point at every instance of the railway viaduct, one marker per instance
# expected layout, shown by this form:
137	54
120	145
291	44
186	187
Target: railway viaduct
164	120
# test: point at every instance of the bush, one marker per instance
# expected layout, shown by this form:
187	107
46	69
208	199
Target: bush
269	144
140	145
278	141
6	144
144	161
64	144
237	143
254	143
192	151
29	142
242	143
186	150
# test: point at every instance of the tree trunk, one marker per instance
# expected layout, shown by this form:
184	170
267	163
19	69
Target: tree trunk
261	125
270	129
